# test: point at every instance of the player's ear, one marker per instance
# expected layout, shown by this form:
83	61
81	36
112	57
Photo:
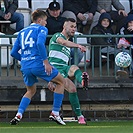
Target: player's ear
38	20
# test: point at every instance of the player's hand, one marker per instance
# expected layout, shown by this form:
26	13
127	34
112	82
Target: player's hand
48	67
51	86
82	48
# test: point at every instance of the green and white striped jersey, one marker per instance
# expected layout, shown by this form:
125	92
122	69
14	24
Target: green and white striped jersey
58	54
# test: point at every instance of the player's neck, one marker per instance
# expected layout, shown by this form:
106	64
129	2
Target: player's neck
67	37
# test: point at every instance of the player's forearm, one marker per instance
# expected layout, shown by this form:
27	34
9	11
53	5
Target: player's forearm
46	62
70	44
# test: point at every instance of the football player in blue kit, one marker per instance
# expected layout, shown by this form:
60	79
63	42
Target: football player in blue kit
34	64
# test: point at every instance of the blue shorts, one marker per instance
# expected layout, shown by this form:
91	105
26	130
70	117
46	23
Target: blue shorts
30	75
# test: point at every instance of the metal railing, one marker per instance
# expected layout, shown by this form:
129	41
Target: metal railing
106	67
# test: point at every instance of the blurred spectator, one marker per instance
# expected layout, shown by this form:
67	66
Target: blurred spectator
103	28
54	21
8	12
117	16
127	29
81	10
55	24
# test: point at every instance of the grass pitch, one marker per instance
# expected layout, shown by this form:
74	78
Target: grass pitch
71	127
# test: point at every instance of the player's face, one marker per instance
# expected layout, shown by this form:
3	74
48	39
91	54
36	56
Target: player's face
43	21
54	13
71	28
105	23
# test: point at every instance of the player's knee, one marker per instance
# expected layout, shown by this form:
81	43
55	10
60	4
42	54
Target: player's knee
31	91
72	70
73	90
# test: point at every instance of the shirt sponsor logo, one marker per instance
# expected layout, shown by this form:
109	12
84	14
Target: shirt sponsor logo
28	58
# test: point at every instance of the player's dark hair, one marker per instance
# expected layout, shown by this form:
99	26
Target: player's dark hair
38	14
70	19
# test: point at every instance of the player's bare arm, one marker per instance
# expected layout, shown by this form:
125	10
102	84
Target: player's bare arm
70	44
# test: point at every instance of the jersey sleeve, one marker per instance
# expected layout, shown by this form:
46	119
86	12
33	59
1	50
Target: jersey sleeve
56	36
14	52
41	42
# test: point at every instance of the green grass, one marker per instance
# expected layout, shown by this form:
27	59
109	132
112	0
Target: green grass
71	127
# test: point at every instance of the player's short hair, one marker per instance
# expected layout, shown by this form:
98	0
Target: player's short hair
38	14
70	19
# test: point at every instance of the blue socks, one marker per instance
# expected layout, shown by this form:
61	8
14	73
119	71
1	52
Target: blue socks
57	101
23	105
26	101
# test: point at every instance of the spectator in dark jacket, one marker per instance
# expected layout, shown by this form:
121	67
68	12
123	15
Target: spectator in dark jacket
81	10
103	28
54	21
8	12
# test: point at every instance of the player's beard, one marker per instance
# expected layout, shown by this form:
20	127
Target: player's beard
69	34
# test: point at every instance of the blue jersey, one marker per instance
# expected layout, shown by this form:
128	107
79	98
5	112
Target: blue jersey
31	41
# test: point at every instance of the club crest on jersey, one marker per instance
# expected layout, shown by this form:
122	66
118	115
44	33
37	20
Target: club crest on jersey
44	32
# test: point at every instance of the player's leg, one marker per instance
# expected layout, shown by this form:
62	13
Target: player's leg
29	80
82	78
55	77
73	97
24	103
74	100
58	98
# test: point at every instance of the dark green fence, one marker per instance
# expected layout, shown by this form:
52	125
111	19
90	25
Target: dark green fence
105	67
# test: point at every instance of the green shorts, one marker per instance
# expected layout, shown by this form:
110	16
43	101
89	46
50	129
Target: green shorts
63	70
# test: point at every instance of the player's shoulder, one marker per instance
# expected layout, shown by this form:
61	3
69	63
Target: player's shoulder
43	30
58	34
38	27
